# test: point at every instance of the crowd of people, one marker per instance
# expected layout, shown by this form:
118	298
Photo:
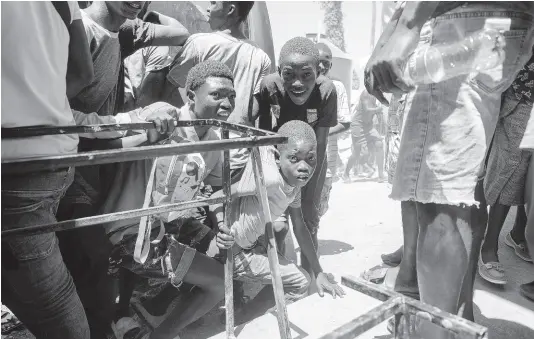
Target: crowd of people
452	149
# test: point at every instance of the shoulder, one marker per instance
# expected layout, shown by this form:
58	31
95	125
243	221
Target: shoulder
325	85
340	87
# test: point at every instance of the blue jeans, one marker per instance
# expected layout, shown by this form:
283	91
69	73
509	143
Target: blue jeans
36	285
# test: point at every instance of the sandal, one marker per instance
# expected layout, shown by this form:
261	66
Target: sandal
9	321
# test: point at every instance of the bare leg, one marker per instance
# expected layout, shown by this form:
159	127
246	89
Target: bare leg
497	216
406	282
208	276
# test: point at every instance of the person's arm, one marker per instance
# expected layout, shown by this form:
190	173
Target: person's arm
383	73
80	72
340	127
324	281
160	19
261	107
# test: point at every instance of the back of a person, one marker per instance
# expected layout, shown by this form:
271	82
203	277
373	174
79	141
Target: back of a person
102	94
33	78
243	57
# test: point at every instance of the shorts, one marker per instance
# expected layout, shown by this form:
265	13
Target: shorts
507	166
168	260
362	136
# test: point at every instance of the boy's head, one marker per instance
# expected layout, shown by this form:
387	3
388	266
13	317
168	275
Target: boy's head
210	90
298	158
298	68
125	9
325	58
225	14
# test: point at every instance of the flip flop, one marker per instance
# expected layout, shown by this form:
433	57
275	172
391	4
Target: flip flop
375	275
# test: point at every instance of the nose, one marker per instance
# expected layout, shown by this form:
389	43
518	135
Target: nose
226	104
297	83
303	167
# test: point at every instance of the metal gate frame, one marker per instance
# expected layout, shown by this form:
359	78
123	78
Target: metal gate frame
403	308
254	138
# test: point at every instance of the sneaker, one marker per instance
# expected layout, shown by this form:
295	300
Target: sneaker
520	249
492	271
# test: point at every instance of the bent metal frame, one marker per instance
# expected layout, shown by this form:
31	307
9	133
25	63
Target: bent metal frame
395	304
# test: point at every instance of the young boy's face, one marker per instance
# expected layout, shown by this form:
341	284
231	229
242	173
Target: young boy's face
215	99
297	162
126	9
325	62
217	13
298	73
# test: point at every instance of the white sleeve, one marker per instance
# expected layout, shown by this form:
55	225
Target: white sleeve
95	119
75	13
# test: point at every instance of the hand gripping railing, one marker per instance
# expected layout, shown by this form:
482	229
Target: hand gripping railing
255	138
403	308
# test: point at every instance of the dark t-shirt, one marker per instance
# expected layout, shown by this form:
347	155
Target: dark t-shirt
277	108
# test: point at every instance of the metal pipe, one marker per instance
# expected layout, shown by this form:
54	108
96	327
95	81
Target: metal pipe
368	288
104	218
229	264
131	154
272	253
366	321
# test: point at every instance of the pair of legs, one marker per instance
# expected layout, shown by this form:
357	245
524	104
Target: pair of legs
441	246
374	143
253	266
528	289
188	266
36	284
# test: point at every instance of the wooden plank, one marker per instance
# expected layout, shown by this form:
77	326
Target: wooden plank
272	253
310	318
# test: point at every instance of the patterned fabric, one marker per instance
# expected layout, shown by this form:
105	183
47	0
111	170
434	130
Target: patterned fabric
523	85
507	164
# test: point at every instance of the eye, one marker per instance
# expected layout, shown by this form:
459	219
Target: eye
311	157
293	159
216	95
307	75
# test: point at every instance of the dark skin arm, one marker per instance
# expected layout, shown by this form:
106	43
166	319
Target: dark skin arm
339	128
323	281
384	70
80	72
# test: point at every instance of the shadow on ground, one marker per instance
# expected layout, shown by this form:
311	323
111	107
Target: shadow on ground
332	247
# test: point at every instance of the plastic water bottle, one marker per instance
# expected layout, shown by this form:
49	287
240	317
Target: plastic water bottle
480	51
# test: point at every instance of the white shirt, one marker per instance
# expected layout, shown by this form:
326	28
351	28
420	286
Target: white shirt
35	52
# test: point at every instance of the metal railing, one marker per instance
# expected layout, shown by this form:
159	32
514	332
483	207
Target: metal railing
403	308
253	139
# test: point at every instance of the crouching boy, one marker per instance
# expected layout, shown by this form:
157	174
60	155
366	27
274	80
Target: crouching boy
172	254
286	171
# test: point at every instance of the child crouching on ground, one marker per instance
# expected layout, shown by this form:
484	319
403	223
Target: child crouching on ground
286	171
174	258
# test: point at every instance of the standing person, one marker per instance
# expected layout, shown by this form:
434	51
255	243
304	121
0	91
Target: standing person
36	284
229	45
343	121
527	144
445	138
364	133
298	92
113	33
504	183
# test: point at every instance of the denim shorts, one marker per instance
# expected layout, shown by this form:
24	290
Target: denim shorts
449	125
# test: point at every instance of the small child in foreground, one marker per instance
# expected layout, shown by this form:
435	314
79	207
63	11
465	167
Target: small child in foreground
286	170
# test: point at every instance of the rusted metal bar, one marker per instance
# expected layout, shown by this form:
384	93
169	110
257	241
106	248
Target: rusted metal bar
33	131
272	253
368	288
229	264
414	308
131	154
366	321
104	218
451	322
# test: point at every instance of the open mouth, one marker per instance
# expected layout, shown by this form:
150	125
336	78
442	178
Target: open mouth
223	114
134	5
303	177
299	92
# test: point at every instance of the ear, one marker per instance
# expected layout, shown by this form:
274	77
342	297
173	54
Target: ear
191	96
231	9
277	156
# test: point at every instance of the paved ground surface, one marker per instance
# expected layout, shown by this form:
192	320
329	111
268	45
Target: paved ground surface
361	224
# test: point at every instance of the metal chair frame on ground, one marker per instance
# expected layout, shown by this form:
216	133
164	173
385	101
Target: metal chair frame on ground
403	308
254	138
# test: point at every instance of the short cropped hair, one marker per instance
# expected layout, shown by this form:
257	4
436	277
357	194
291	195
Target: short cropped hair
243	9
321	46
207	69
299	45
295	131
